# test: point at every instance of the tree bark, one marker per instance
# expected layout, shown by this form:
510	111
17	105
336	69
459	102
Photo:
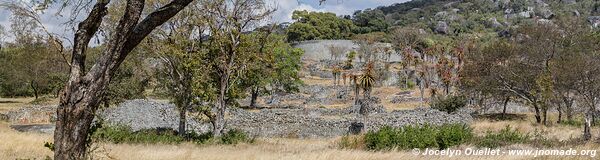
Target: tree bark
545	115
538	118
356	92
254	97
504	108
83	92
587	134
182	120
35	90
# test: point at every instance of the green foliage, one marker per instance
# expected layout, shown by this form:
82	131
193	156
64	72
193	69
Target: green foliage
119	134
449	103
506	136
236	136
453	135
318	25
49	145
370	21
425	136
125	135
30	69
130	80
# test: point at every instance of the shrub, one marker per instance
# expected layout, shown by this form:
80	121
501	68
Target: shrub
125	135
506	136
453	135
425	136
449	103
235	136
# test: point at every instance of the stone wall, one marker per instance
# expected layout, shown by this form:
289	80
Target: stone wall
32	114
300	123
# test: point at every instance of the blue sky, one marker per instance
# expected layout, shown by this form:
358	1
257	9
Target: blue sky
283	14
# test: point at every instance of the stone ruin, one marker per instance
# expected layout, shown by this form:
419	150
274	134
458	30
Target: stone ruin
296	122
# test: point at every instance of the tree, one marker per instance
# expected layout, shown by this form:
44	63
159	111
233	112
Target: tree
3	36
336	51
81	96
318	25
370	20
273	67
367	80
226	59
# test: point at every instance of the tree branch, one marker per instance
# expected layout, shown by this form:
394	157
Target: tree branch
152	21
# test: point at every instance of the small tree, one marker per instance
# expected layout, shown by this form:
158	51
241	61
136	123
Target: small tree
367	80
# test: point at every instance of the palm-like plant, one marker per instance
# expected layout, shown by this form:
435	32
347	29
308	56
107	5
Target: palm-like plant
367	80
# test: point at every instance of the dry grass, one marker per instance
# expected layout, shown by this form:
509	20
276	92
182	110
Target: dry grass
561	132
7	104
22	145
30	145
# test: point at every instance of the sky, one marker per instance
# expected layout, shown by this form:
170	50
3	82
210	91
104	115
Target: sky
284	11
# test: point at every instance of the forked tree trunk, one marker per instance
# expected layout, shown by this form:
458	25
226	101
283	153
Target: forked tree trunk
83	92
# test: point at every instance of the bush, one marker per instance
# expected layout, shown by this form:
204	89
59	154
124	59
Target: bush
453	135
425	136
449	103
506	136
235	136
125	135
120	134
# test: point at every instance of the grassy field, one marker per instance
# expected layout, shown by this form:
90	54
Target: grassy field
16	145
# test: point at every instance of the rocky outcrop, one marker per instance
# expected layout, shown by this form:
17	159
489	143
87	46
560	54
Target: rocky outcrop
442	27
594	20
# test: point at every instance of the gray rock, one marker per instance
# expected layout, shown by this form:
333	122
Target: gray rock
442	27
494	23
545	13
569	1
356	128
594	20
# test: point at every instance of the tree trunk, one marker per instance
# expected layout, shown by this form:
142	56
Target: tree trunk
356	93
538	118
587	134
74	117
560	112
504	108
545	115
182	119
35	90
218	110
422	90
253	97
83	92
367	93
569	110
